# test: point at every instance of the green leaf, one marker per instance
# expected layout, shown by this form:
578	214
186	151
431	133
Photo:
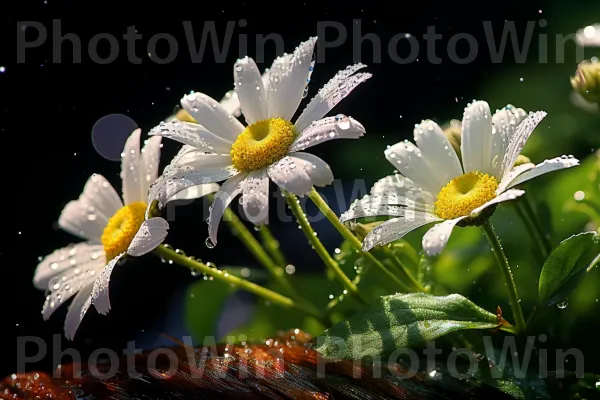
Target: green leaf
204	304
566	266
402	321
205	301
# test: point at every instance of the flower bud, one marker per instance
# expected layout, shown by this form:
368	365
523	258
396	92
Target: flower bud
586	81
453	131
521	159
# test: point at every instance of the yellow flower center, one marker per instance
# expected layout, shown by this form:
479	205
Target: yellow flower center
464	194
262	143
121	229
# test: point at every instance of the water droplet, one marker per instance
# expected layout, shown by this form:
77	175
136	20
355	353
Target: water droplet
194	272
563	304
209	243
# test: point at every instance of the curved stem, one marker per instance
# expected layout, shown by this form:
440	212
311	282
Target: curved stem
513	296
320	249
272	245
349	236
273	297
257	251
532	226
402	269
542	239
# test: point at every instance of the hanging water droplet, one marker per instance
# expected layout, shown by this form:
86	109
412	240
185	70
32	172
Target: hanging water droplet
563	304
194	272
209	243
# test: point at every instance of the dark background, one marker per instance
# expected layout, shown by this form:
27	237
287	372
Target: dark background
49	109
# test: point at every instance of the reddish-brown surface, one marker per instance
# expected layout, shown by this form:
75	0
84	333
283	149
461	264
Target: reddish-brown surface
282	368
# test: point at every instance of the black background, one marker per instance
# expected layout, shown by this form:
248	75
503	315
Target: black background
48	111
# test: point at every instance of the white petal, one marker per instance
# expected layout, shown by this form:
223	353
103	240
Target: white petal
192	134
77	310
437	150
100	291
399	185
231	103
200	160
290	176
542	168
180	179
397	228
579	101
382	204
63	286
331	94
506	196
226	193
72	256
409	161
589	36
149	165
152	232
520	137
255	197
212	116
437	237
195	192
87	217
130	169
250	90
339	127
288	78
505	122
476	137
516	171
319	172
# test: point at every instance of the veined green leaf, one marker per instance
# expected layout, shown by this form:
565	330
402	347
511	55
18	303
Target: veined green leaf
566	265
403	321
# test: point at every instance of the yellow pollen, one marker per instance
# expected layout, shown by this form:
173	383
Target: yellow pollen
464	194
262	143
121	229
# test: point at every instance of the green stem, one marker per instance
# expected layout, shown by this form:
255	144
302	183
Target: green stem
273	297
402	269
595	262
272	245
541	238
531	229
349	236
320	249
258	252
513	296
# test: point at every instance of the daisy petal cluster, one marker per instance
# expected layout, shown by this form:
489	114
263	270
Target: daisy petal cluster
218	147
112	226
434	184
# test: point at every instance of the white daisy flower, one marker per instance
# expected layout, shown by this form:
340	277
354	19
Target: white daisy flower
589	36
221	148
110	230
433	185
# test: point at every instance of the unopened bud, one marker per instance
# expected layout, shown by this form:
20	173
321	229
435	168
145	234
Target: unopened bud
453	132
586	81
521	159
361	230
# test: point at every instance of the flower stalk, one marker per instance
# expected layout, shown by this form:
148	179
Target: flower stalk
513	295
329	262
267	294
254	246
346	234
